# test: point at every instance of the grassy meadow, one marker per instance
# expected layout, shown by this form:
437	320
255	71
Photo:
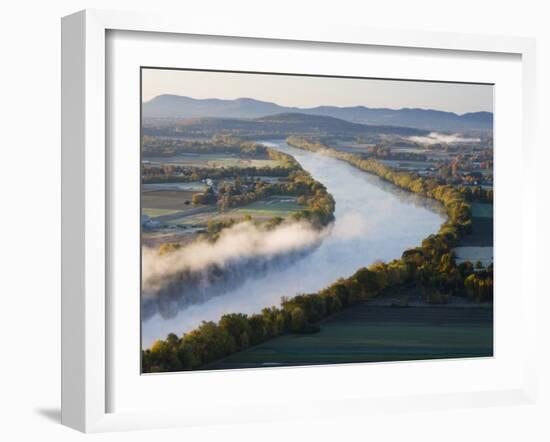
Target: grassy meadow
217	160
281	206
166	202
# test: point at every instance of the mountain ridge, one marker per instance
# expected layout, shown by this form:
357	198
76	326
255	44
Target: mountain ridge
275	125
183	107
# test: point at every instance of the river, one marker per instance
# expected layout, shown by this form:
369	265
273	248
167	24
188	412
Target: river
374	221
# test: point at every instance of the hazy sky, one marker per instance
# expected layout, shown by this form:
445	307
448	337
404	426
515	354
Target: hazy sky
287	90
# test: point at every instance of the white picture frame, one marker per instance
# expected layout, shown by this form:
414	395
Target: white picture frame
85	213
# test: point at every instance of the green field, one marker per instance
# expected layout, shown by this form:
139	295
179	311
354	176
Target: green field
474	254
262	210
274	206
151	212
366	333
155	203
193	186
281	206
214	161
482	210
166	199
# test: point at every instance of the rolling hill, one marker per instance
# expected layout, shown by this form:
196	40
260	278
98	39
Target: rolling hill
283	124
180	107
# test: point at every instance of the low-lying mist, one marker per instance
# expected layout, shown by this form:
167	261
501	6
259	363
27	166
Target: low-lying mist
437	138
204	269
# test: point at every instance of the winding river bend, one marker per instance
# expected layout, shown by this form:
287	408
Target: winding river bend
374	221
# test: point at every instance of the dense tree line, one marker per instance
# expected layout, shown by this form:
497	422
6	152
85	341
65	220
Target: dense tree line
205	198
177	173
319	203
173	173
479	285
384	152
318	210
166	147
477	193
456	206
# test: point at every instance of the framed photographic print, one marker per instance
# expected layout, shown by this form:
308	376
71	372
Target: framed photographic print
283	223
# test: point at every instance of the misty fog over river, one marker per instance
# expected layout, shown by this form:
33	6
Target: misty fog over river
374	221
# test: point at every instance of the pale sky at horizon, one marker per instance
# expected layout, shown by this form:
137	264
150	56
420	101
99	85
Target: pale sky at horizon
297	91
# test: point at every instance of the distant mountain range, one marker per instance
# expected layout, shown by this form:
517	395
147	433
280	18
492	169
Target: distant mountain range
180	107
